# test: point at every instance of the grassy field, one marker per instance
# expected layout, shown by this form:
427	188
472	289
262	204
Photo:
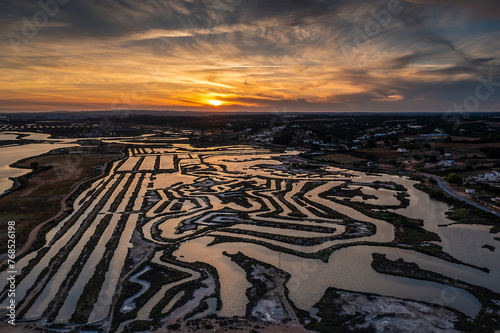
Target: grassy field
466	149
385	154
341	158
41	198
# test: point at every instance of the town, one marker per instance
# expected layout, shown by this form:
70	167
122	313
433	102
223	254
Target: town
437	144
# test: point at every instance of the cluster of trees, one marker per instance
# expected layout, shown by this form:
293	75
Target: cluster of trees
454	178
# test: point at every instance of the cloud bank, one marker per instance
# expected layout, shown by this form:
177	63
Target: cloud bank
255	55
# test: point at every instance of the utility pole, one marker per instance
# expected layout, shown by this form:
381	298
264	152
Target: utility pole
279	260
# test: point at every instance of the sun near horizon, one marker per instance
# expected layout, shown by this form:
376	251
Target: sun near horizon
194	55
215	102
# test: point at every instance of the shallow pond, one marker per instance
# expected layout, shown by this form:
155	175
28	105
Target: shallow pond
348	268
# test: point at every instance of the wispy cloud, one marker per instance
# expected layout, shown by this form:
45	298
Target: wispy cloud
255	54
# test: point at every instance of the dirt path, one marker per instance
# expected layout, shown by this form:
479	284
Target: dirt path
294	325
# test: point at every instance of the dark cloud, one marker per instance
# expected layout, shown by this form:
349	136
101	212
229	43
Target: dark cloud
121	17
467	66
484	8
295	11
406	60
420	23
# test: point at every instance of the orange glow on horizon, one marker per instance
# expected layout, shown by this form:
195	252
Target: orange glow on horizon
215	102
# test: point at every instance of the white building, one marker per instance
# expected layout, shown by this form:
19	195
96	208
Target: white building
491	176
446	163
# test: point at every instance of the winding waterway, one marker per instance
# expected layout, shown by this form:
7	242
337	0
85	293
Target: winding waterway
258	196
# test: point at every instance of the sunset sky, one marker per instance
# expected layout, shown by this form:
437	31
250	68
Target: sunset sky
249	55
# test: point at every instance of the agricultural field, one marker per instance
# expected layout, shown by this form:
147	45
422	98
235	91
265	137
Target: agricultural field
342	158
183	238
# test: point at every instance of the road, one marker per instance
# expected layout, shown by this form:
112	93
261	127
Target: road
445	187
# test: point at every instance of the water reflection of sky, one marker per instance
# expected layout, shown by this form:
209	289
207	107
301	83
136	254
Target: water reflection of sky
14	153
348	268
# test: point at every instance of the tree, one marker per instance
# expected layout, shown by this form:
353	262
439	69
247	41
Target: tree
34	166
494	153
453	178
371	144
